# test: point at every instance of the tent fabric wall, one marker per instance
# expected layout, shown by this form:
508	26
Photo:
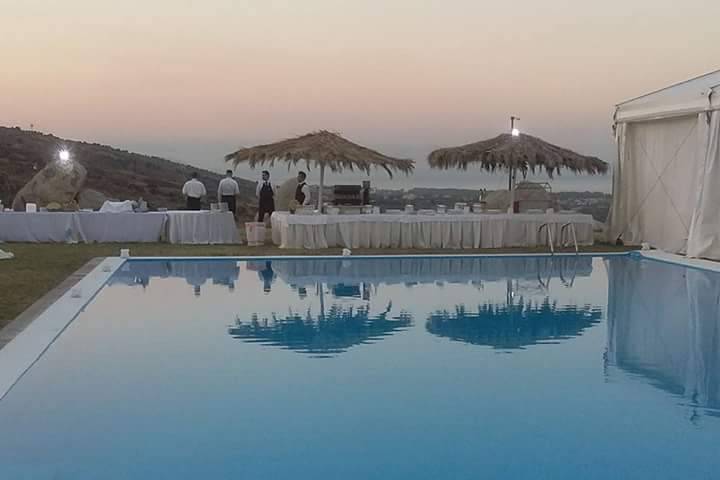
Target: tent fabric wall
655	182
666	183
704	240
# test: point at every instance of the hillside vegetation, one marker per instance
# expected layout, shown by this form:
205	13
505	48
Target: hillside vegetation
118	174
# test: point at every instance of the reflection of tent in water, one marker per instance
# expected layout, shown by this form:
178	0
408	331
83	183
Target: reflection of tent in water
664	327
513	325
195	273
329	334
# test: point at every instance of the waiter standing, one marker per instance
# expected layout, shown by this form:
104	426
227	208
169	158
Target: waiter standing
228	191
302	192
266	196
194	190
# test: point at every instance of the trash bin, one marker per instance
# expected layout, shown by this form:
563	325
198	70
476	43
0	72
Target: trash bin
255	232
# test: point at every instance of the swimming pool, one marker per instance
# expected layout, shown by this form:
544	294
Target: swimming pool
413	368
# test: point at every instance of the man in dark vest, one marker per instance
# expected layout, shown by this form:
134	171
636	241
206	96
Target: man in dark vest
266	196
302	192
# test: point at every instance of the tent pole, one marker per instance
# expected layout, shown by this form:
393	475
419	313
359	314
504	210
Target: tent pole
322	185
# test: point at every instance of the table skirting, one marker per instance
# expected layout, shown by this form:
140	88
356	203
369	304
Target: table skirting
38	227
71	227
424	231
120	227
202	227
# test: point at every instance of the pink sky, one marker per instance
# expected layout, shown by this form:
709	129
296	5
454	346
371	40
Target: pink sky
404	73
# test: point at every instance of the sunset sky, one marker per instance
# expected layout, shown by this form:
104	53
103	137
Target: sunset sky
193	80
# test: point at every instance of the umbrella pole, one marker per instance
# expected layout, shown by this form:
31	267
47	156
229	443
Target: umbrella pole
322	184
322	300
511	187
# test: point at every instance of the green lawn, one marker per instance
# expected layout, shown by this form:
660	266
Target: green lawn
38	268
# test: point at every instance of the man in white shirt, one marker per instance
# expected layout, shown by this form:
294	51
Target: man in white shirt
228	191
302	192
193	190
266	197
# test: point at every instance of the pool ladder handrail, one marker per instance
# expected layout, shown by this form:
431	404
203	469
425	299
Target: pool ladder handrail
549	236
571	227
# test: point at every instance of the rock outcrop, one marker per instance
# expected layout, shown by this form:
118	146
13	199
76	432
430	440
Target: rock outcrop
59	182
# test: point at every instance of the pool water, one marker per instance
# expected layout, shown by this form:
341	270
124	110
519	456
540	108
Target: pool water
398	368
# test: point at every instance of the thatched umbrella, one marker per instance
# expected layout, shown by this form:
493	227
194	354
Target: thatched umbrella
321	150
515	153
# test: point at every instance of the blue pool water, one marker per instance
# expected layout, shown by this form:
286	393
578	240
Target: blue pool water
455	368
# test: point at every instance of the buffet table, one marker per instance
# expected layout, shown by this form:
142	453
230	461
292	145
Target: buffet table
38	227
72	227
202	227
423	231
119	227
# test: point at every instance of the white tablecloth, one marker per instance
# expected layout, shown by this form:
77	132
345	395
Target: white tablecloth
120	227
202	227
424	231
38	227
182	227
117	207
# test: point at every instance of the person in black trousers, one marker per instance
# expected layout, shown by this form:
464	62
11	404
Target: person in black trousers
266	196
228	190
194	191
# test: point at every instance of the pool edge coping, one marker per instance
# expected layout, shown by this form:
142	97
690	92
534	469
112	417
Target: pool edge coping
39	331
13	328
366	257
676	259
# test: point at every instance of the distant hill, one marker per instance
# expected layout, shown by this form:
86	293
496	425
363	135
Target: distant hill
596	204
117	173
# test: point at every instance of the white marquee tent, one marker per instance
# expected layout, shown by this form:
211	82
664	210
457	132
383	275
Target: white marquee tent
666	184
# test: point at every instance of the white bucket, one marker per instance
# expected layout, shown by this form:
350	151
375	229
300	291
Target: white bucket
255	232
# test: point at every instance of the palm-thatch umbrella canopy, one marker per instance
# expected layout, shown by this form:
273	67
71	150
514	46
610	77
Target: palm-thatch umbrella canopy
515	153
321	150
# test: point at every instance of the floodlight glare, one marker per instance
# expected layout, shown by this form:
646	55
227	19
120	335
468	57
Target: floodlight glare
64	155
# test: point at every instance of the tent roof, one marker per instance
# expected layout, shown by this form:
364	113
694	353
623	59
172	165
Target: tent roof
685	98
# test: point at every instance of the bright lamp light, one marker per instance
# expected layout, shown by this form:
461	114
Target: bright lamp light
64	155
515	132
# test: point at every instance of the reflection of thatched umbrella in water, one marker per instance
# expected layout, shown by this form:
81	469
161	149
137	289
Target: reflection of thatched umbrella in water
329	334
321	150
514	325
